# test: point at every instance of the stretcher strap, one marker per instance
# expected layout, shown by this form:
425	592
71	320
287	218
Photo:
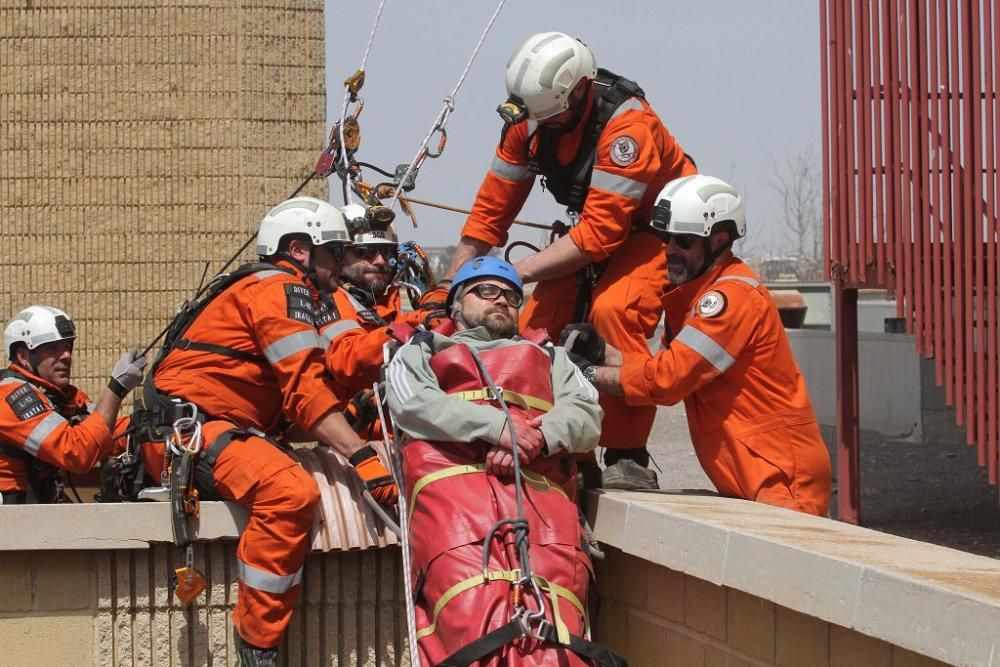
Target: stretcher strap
497	639
537	481
555	592
486	394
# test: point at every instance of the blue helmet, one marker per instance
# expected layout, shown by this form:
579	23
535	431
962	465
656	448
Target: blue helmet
484	267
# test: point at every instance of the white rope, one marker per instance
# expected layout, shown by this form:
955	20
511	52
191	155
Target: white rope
446	109
347	96
396	462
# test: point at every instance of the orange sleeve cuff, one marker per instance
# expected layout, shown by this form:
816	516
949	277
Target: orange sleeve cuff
585	239
634	382
313	409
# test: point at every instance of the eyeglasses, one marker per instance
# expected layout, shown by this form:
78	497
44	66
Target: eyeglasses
683	241
369	252
490	292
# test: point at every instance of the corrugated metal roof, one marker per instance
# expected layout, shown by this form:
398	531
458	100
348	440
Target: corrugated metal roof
344	520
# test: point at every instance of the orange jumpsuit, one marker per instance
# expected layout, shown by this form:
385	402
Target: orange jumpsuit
636	157
355	330
269	317
57	426
726	354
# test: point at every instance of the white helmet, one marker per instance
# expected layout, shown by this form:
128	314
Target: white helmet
37	325
320	220
696	204
544	70
364	230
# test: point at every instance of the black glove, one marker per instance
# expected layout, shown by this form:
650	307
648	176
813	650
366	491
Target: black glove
361	412
588	344
581	363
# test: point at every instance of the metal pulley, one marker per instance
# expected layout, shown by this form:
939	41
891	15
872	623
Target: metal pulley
354	83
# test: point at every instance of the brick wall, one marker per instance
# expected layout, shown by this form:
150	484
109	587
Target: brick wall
657	617
141	140
116	607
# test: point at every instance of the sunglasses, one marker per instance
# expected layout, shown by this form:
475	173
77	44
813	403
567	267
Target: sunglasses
683	241
369	252
491	292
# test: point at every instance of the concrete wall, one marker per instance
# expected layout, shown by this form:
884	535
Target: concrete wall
659	617
703	581
140	141
899	396
91	585
107	607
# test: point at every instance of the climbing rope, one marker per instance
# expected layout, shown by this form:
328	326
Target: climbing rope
352	85
442	119
396	463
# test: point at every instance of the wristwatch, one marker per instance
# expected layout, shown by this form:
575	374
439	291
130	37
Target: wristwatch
590	373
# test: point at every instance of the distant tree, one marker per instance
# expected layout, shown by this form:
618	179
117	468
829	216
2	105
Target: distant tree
796	180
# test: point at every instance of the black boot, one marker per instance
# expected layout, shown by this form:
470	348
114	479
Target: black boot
251	656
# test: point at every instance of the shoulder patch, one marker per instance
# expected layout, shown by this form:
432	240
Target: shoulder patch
712	304
624	150
26	403
299	302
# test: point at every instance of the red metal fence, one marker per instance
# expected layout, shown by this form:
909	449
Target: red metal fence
910	198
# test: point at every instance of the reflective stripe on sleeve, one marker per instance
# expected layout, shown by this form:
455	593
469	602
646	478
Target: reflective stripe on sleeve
37	436
706	347
267	273
276	584
289	345
625	187
748	280
337	328
631	104
509	170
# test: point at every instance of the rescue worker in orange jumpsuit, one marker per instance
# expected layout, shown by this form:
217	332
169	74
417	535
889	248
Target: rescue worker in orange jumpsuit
602	152
355	319
251	359
444	394
47	425
727	356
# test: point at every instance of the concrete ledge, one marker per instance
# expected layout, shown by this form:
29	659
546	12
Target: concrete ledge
109	526
938	602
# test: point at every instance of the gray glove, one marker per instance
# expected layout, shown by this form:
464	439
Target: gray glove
127	373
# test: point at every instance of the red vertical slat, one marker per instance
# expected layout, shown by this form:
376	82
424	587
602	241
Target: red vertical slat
919	160
991	52
947	214
958	220
829	172
880	102
936	179
890	23
853	130
974	386
907	175
864	86
843	215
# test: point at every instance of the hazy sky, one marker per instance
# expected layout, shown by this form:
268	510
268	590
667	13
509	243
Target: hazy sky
734	80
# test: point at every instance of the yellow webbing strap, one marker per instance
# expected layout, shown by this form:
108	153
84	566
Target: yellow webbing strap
537	481
555	592
486	394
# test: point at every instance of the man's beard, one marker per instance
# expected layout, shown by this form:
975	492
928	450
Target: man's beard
497	322
680	272
356	276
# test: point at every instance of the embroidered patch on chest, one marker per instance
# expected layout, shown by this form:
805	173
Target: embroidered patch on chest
299	302
25	403
712	304
624	151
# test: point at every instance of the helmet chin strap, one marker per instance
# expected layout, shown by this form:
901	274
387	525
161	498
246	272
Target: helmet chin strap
309	270
709	256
